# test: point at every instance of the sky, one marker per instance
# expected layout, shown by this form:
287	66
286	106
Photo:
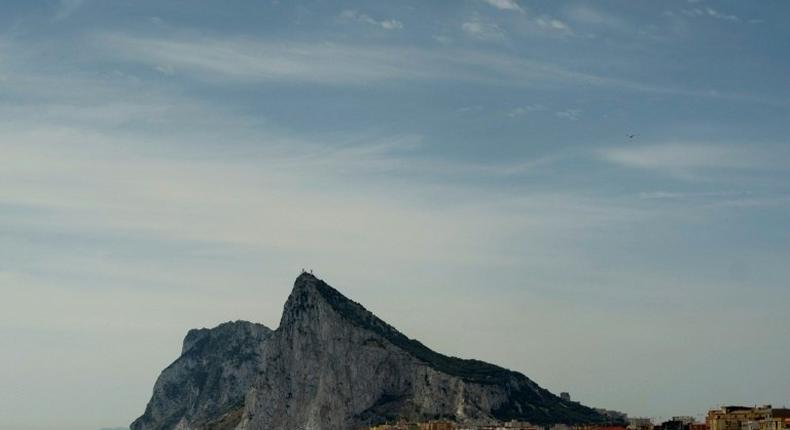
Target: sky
465	169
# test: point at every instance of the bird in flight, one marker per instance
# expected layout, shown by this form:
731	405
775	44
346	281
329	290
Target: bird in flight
631	136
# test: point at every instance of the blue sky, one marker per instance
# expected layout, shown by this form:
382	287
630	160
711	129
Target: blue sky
463	168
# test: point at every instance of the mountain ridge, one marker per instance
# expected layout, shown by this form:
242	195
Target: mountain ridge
334	365
477	370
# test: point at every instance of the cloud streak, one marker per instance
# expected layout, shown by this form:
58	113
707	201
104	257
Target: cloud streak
709	12
483	30
688	157
510	5
248	61
386	24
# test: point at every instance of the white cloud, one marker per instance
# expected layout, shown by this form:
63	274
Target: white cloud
467	109
472	28
482	30
249	61
387	24
675	195
716	14
523	110
709	12
125	185
391	24
585	14
569	114
244	185
443	39
684	157
243	60
264	200
717	200
165	70
553	24
505	4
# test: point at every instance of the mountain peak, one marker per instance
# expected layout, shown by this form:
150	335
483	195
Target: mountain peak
334	365
309	291
304	301
307	283
305	278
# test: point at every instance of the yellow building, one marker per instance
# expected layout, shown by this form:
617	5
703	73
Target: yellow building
399	426
748	418
437	425
432	425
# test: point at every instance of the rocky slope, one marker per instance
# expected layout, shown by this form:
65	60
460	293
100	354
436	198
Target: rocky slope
206	386
333	365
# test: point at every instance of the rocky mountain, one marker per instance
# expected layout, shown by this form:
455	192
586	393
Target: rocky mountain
206	386
333	365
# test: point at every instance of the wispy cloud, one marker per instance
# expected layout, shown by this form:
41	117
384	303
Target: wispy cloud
468	109
710	13
718	200
569	114
249	61
505	5
386	24
680	157
553	24
263	200
244	60
523	110
586	14
694	195
481	29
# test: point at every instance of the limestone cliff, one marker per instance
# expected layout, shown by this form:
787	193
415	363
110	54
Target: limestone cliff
206	386
333	365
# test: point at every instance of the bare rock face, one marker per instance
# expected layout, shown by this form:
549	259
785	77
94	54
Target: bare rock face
333	365
206	386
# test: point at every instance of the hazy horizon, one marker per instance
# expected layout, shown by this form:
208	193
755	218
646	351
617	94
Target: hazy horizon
595	194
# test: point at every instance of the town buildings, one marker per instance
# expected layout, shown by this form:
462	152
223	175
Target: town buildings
748	418
430	425
726	418
640	424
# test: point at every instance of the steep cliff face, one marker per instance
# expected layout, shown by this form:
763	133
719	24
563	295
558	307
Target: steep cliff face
206	386
332	365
